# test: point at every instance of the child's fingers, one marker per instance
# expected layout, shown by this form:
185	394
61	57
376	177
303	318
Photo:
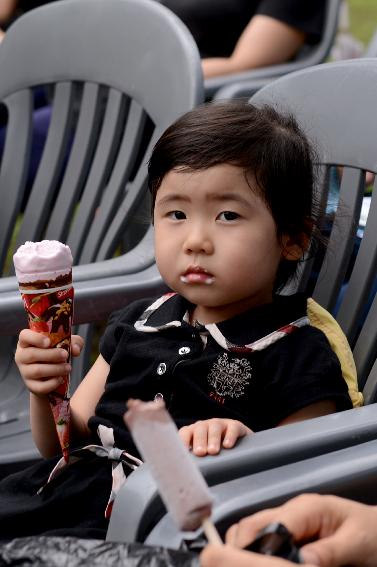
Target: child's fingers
185	434
234	430
215	433
40	372
77	344
195	437
35	355
29	338
207	436
200	438
44	387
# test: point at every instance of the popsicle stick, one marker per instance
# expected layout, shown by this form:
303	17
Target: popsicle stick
211	532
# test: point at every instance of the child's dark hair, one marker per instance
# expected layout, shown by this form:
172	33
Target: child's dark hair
265	143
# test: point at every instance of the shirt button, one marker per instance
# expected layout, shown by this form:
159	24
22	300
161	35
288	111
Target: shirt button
184	350
161	368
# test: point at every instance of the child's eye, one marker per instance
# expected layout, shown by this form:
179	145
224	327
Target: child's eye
176	215
228	216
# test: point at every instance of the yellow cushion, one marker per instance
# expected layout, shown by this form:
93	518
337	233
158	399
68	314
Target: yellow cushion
320	318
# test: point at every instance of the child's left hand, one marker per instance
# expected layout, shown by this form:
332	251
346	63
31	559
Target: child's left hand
207	437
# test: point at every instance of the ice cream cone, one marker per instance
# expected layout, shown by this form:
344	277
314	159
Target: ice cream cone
44	272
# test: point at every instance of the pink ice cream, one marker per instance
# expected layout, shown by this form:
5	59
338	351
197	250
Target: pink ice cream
44	273
182	487
45	260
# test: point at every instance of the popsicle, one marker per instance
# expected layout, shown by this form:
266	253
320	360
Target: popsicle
44	273
180	483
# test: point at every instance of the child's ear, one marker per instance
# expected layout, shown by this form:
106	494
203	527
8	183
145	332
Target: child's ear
294	248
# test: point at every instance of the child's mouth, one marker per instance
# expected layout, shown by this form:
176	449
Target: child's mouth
197	275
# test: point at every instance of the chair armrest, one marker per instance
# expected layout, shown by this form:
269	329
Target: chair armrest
94	299
213	84
136	260
128	521
253	454
244	89
275	447
350	473
17	446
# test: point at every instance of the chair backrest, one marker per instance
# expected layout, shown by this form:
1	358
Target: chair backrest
335	105
118	73
244	84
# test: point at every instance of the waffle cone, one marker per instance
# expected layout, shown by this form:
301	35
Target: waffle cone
50	312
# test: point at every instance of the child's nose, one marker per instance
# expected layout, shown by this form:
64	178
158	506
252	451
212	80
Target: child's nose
198	241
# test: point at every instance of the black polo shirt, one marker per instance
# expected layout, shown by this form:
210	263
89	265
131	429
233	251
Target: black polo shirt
242	368
216	25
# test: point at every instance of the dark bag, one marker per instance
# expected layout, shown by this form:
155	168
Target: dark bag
43	551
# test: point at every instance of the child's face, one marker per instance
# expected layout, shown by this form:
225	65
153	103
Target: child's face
215	241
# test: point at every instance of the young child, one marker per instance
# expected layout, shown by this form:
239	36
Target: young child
232	200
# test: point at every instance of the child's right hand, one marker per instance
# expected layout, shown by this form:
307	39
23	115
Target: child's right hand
42	368
208	436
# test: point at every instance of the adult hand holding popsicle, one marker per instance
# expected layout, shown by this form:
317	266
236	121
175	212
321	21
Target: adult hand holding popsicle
44	273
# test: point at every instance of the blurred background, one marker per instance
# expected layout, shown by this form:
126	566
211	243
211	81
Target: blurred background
363	19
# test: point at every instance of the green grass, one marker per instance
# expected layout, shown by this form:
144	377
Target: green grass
363	19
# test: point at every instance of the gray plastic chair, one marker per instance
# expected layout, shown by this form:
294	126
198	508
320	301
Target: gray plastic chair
335	104
349	473
118	72
138	511
248	82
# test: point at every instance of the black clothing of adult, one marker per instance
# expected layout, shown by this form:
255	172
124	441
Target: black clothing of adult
202	372
216	25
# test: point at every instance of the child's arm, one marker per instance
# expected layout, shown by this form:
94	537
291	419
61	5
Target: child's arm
87	395
41	368
208	436
324	407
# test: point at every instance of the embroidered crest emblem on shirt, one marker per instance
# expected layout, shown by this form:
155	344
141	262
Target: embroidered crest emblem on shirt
229	377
